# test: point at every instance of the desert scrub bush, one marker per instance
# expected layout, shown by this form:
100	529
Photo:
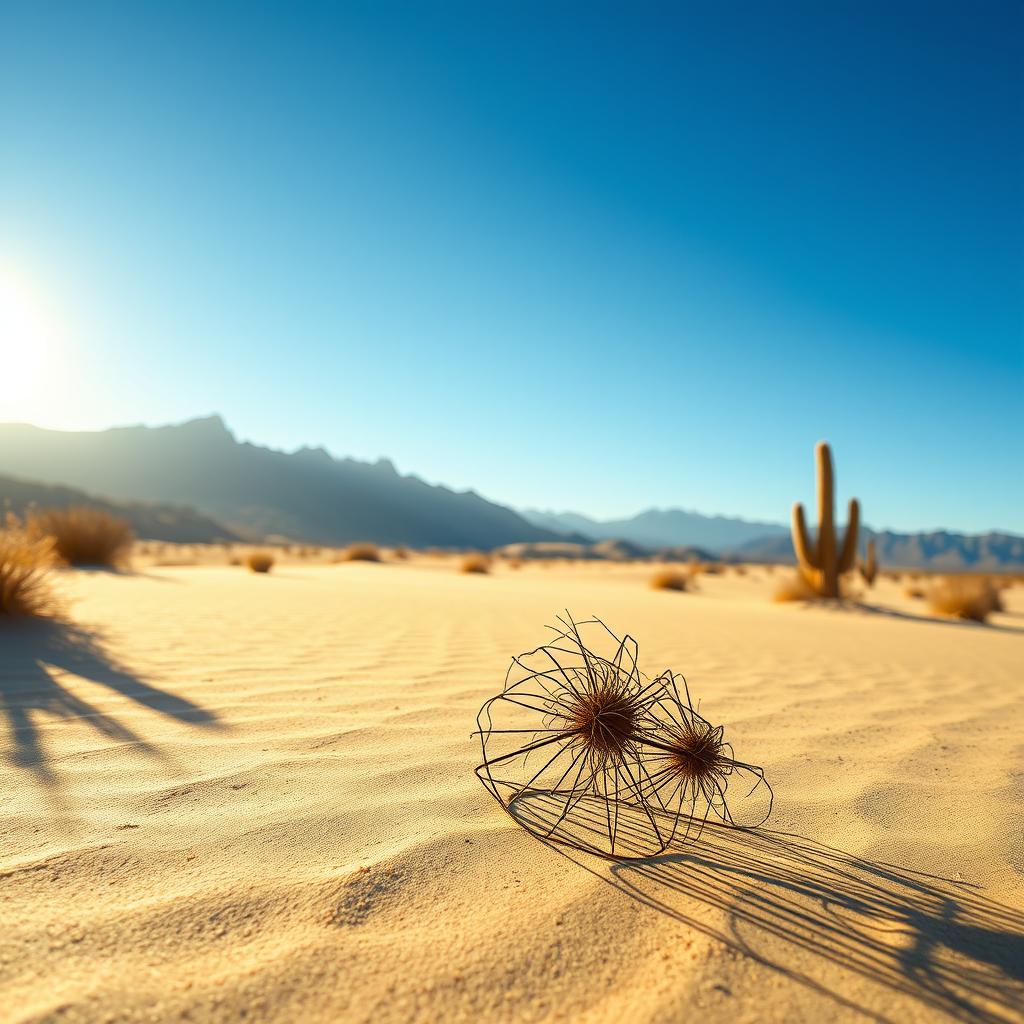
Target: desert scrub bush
963	598
25	563
362	552
260	561
794	588
670	579
400	553
83	535
475	562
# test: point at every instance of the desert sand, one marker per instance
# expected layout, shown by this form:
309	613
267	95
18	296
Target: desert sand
235	797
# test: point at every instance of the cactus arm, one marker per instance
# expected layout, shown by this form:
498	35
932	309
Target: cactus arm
849	553
801	544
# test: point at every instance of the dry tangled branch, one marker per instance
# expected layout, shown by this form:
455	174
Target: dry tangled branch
582	749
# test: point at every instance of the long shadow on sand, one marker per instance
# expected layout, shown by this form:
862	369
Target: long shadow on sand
849	606
816	915
30	651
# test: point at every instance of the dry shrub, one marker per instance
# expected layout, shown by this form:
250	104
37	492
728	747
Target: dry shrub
83	535
711	569
475	562
670	579
401	553
794	588
964	597
913	591
234	560
362	552
260	561
25	563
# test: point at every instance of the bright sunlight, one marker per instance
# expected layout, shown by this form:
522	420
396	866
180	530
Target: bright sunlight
29	337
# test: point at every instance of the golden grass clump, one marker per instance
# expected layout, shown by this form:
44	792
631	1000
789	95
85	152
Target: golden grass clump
475	563
670	579
25	563
361	552
83	535
260	561
794	588
964	597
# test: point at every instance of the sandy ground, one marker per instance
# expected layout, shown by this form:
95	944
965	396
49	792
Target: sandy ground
233	797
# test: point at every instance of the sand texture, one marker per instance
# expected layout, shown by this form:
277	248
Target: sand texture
235	797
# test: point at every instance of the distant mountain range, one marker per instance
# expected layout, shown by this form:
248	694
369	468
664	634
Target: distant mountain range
740	539
149	475
939	550
256	492
662	528
150	522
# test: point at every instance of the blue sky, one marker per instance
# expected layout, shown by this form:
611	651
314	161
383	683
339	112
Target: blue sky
574	256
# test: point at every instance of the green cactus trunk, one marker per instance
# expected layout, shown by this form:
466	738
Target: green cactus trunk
822	564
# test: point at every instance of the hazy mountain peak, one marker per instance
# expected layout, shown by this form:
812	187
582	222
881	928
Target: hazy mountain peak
305	494
208	426
663	528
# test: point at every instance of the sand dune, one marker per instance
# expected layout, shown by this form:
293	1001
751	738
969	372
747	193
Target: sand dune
237	797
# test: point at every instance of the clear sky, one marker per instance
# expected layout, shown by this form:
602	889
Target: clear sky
579	256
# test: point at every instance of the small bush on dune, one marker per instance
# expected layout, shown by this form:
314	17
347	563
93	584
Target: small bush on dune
964	598
25	564
794	588
260	561
83	535
913	591
400	553
475	563
360	553
670	579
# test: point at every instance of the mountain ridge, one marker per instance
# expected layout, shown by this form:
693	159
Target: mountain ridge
306	495
664	528
254	492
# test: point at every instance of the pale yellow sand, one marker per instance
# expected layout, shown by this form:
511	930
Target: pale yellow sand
251	798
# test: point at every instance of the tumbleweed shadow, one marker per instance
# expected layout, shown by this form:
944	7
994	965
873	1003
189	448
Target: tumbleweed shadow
813	912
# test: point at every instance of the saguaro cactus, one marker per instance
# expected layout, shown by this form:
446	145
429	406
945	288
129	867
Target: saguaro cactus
823	563
869	566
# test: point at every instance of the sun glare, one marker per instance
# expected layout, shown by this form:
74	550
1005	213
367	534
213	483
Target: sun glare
28	341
